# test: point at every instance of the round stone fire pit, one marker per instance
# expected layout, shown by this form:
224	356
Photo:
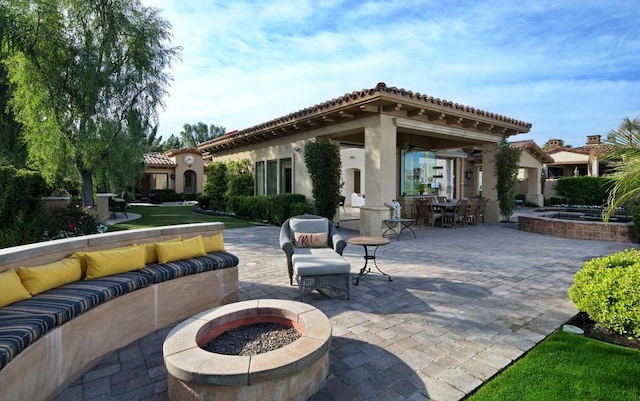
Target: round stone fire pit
293	372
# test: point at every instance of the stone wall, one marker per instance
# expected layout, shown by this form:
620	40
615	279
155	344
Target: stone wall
615	232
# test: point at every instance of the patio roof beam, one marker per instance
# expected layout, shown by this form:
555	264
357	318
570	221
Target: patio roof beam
369	108
446	130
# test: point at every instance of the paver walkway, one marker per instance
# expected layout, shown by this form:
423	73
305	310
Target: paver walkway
463	304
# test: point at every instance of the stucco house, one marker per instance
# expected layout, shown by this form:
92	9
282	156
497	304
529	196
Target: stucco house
406	137
182	170
583	160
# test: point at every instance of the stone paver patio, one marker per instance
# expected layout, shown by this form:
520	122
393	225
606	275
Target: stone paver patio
463	304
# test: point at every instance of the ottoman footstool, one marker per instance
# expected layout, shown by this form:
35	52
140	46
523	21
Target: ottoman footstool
322	268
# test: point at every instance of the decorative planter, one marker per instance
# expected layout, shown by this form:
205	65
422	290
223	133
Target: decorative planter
293	372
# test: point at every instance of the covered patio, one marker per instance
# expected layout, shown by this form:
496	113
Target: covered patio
395	127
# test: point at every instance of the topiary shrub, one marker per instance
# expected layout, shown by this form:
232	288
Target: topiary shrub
607	289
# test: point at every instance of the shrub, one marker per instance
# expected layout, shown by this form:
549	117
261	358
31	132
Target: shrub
216	186
72	221
324	165
273	209
300	208
584	190
607	290
506	170
635	215
203	201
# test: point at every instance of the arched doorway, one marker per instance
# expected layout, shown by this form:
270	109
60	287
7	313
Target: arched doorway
189	182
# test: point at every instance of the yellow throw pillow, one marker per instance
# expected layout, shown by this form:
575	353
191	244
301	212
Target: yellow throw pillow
11	288
83	262
151	255
172	251
114	261
42	278
213	243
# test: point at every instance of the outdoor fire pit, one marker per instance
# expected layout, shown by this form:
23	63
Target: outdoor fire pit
293	372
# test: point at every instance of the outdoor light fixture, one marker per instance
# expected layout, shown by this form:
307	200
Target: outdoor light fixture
294	148
468	174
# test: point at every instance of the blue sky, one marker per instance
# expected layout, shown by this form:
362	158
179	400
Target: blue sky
571	68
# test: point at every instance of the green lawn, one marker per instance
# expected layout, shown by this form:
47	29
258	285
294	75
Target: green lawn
568	367
154	216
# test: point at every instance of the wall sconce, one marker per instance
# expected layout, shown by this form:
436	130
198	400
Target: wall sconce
468	174
294	148
173	176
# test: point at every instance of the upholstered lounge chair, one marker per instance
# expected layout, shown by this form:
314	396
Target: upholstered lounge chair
314	254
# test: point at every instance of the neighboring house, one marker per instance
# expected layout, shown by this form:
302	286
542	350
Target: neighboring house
182	170
405	137
568	161
583	160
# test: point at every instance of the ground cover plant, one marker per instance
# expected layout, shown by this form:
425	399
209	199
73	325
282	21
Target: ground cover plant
568	367
155	216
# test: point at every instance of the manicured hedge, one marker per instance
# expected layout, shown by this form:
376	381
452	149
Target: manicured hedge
584	190
608	290
273	209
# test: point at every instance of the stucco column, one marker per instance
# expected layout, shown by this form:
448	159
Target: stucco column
380	170
534	188
489	181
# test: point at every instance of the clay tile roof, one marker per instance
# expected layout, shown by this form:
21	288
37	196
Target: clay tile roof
598	150
535	150
157	160
362	96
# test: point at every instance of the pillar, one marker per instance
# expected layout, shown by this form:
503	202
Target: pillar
489	181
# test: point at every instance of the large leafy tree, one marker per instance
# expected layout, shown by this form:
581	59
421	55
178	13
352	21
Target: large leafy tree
624	143
13	150
89	77
192	135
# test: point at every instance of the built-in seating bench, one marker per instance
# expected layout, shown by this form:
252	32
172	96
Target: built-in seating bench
47	341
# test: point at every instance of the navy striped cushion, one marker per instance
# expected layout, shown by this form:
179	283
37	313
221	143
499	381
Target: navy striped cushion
70	300
212	261
18	331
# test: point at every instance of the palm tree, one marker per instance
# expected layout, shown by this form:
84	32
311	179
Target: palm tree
625	147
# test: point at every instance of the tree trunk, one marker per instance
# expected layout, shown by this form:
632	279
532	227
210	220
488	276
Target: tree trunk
87	188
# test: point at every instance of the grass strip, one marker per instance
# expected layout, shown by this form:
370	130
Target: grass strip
568	367
157	215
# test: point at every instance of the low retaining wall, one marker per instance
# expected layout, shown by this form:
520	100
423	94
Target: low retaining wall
53	362
614	232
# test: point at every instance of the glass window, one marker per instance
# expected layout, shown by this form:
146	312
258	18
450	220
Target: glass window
159	181
555	172
272	177
417	171
285	176
259	179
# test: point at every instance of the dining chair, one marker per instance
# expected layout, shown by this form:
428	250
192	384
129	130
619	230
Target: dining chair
458	214
473	211
432	215
421	210
481	209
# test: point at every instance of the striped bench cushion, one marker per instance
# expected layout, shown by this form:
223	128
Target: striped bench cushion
168	271
70	300
18	331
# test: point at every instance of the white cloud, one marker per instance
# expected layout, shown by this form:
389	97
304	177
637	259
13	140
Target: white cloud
571	68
